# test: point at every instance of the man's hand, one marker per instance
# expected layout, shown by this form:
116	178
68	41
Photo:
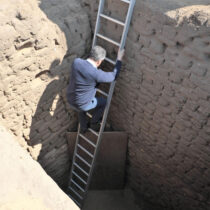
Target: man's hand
120	54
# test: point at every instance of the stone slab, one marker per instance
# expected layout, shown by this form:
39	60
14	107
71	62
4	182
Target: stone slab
111	200
109	172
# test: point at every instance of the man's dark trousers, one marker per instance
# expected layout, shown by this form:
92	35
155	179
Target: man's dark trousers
97	115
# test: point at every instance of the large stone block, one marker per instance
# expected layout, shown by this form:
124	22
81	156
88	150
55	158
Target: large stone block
109	172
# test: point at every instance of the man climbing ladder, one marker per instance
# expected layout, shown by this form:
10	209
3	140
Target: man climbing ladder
82	86
81	96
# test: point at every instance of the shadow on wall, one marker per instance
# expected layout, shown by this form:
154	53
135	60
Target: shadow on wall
49	125
53	117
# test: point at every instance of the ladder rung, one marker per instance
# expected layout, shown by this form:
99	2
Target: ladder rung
126	1
112	19
89	115
82	148
82	180
76	193
110	61
108	39
80	205
77	185
87	140
102	92
81	169
92	131
83	160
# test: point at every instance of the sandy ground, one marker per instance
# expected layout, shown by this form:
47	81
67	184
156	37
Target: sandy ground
110	200
23	202
24	183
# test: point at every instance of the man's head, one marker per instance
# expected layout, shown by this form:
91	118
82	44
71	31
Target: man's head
97	54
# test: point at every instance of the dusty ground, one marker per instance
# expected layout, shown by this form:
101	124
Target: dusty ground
24	184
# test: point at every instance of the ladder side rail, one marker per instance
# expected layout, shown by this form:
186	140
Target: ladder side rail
74	155
97	27
76	193
127	24
81	169
79	204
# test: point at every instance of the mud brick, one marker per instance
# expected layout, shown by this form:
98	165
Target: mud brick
199	69
157	47
202	94
200	83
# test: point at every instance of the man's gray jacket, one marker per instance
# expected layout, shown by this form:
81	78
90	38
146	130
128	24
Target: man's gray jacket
84	77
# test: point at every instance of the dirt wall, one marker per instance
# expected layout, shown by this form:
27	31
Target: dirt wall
162	101
38	41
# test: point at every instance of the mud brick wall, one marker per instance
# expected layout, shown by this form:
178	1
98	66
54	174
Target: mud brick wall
37	45
162	100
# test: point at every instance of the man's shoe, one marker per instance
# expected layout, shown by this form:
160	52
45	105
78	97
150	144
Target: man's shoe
83	130
95	126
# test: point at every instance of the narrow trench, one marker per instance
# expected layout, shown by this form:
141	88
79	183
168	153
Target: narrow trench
124	198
